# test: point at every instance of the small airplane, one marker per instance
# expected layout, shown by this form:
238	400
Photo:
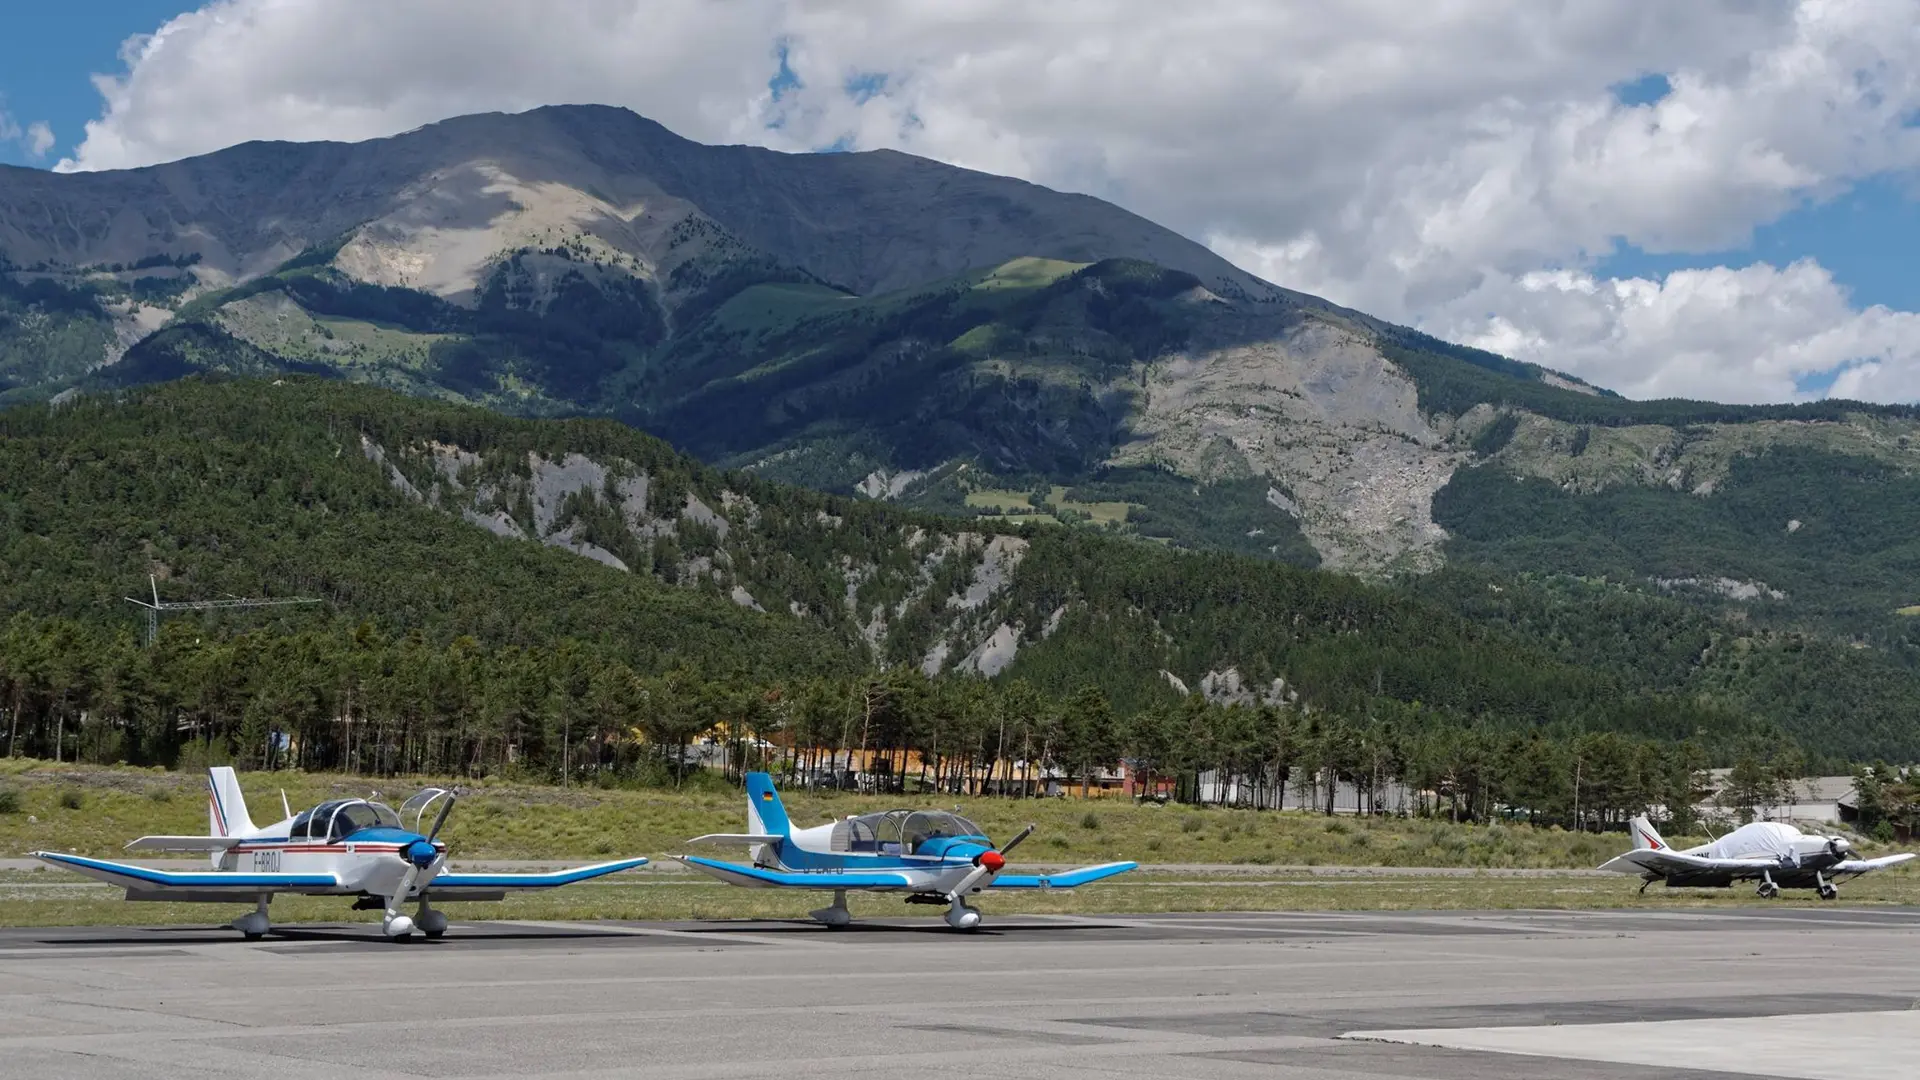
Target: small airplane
1775	854
932	856
344	847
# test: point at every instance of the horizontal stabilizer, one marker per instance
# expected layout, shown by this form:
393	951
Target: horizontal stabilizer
451	886
185	843
1065	880
192	885
736	838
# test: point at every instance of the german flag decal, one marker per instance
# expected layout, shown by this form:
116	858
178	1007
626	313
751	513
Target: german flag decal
766	796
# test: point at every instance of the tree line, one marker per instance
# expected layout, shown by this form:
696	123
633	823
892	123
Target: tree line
357	700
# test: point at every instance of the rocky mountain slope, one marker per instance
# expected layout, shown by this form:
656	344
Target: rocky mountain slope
416	520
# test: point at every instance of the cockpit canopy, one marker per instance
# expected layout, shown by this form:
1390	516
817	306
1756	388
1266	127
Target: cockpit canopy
341	818
900	832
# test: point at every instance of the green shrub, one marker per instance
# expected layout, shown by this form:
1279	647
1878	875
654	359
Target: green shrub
1090	820
1192	823
72	799
9	801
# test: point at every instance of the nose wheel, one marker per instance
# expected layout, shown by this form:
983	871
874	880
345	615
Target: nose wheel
962	917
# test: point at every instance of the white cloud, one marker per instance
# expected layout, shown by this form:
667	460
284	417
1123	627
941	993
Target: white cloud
1459	166
35	139
38	139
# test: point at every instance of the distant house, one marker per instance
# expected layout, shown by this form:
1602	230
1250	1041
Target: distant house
1814	798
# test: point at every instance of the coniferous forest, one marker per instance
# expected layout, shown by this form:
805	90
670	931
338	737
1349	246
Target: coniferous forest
446	647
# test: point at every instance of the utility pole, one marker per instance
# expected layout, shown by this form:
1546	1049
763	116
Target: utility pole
156	606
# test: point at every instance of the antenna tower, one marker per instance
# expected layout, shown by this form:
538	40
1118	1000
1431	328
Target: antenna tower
156	606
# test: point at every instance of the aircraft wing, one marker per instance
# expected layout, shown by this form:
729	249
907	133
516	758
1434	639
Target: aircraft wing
755	877
493	886
1862	866
186	843
1067	880
191	886
1660	863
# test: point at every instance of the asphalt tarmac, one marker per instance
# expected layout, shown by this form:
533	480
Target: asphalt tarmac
1813	993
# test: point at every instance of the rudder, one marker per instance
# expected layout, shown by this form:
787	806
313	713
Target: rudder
226	807
766	815
1645	836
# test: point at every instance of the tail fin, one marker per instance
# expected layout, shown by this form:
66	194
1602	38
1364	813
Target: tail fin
226	807
766	815
1645	836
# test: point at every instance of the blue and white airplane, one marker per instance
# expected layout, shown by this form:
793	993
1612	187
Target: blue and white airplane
932	856
346	847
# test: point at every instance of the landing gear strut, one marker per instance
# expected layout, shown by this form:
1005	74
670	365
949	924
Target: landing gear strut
253	925
837	915
1827	889
1767	890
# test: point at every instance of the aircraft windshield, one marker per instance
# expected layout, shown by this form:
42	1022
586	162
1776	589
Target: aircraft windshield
923	825
341	818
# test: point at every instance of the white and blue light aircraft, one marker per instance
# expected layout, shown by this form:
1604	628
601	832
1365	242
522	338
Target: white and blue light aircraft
1772	853
345	847
932	856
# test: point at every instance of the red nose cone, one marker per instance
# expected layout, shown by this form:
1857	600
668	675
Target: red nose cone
992	860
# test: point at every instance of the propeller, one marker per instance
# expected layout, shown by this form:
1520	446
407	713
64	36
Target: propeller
421	854
1839	847
988	863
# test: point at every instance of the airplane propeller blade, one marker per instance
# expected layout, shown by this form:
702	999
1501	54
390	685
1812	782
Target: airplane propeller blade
445	808
988	863
1015	842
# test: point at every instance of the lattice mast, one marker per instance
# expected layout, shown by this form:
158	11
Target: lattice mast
156	606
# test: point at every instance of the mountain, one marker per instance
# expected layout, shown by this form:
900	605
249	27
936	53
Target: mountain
868	320
950	341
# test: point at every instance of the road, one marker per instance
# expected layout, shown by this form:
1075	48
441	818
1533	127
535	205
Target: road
1640	995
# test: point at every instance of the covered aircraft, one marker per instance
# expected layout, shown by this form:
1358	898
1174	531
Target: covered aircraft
346	847
1776	855
931	856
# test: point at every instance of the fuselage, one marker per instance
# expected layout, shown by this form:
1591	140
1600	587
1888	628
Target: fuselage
1801	858
355	840
934	850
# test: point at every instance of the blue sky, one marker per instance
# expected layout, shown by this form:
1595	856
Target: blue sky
50	50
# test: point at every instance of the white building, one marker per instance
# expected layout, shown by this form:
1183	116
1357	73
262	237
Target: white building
1814	798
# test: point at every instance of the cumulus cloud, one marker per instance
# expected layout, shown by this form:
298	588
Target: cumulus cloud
1461	166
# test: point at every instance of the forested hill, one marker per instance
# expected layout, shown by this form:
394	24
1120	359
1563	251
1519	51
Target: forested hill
433	530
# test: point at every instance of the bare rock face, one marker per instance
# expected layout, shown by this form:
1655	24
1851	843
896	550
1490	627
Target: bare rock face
1308	401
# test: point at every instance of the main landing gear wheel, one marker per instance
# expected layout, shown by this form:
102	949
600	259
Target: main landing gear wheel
836	916
253	925
1829	892
1767	890
431	923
